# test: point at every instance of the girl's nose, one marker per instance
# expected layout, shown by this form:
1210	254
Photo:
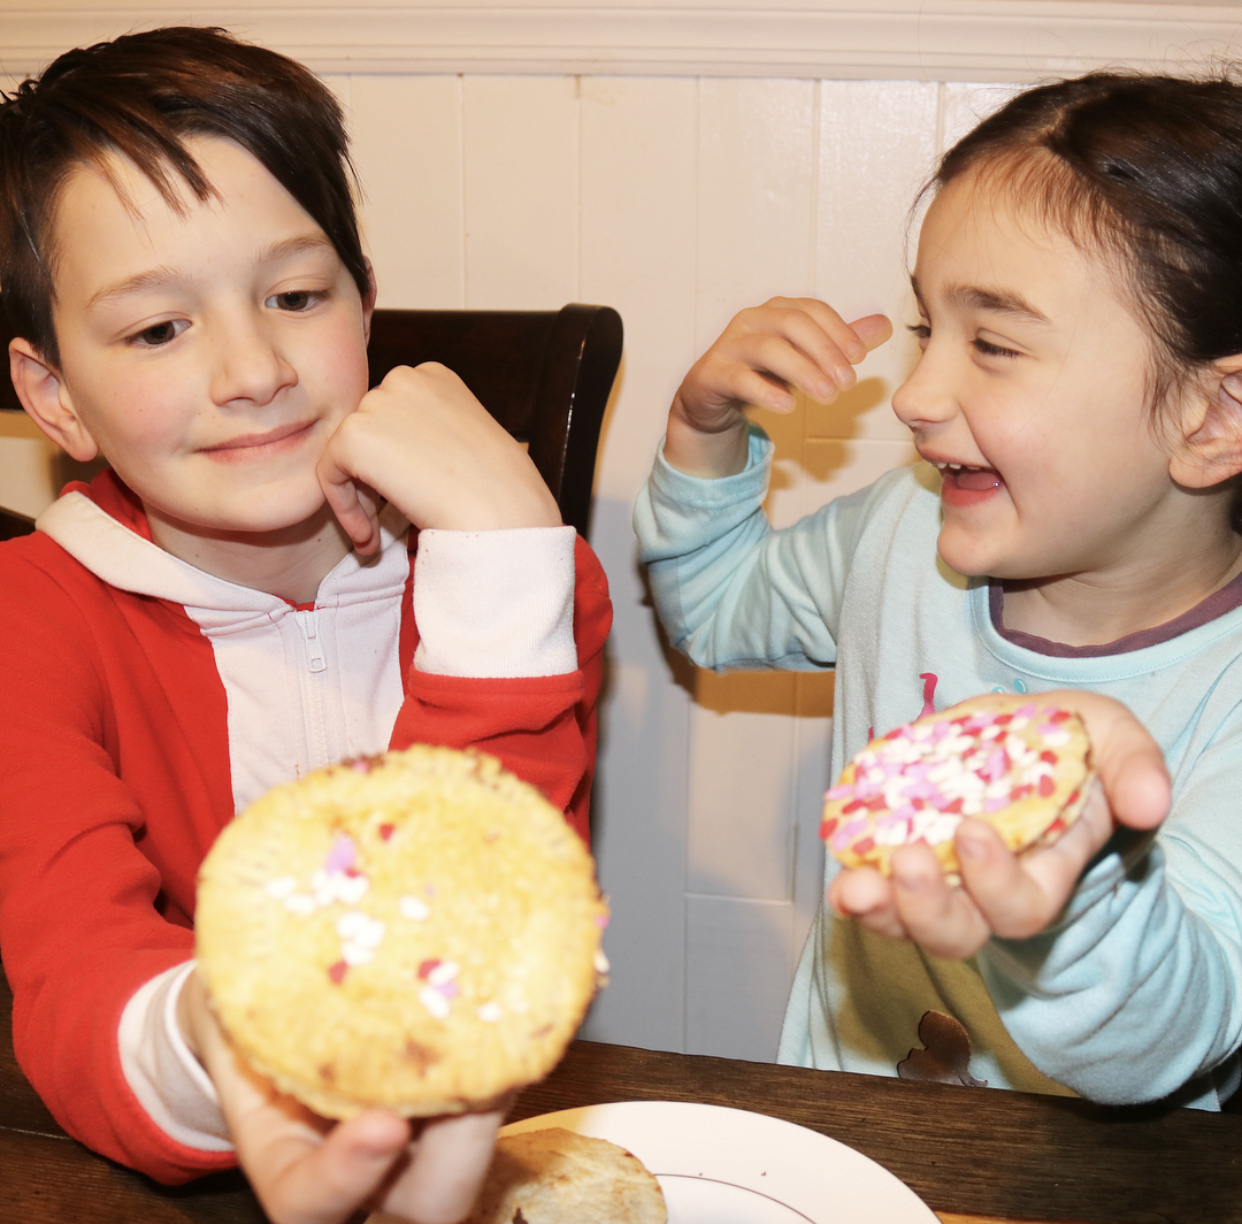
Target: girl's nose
926	397
249	366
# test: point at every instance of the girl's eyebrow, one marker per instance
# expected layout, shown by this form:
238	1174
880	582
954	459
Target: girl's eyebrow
996	301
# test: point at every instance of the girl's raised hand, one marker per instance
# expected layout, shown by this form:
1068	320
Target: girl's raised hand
423	442
1001	893
764	354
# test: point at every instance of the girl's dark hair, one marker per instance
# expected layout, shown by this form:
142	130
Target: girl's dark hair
1148	170
142	96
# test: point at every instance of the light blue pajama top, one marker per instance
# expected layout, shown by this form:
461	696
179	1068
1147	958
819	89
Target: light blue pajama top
1135	994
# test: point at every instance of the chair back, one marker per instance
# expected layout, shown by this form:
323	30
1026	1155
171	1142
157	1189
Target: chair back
544	375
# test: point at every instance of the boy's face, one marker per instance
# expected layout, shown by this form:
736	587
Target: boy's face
209	355
1031	396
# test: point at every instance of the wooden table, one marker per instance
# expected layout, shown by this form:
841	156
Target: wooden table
972	1154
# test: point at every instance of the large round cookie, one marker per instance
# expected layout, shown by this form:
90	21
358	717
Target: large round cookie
419	931
556	1176
1017	762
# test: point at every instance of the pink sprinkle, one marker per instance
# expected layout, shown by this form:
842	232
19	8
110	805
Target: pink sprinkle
337	972
343	854
386	831
425	969
448	989
839	792
601	920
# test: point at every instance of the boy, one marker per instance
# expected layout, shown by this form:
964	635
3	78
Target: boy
234	602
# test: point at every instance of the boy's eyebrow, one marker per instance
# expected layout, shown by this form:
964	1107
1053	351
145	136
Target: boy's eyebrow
155	278
995	300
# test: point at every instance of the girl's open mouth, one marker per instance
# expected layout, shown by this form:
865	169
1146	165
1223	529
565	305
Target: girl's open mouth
967	486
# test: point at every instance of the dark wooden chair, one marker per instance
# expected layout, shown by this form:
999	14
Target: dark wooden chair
544	375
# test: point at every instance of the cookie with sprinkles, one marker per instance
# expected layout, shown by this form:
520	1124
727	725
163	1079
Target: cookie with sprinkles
418	931
1016	762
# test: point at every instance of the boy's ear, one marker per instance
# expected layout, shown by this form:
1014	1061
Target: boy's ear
47	401
1210	445
368	302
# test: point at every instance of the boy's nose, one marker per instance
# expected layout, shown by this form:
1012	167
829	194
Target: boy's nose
249	366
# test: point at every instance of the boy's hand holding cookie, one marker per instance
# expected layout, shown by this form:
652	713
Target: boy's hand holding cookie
308	1170
764	354
422	441
1002	892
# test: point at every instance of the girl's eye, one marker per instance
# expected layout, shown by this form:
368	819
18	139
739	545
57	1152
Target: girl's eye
159	334
921	330
988	349
295	300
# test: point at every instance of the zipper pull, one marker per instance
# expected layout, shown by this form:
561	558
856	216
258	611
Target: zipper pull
308	622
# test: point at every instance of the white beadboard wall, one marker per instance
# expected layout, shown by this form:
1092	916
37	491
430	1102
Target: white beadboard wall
677	179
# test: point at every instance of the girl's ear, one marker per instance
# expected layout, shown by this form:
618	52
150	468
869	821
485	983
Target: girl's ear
1209	448
47	401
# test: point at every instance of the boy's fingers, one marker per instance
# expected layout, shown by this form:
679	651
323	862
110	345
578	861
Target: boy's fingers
301	1181
451	1161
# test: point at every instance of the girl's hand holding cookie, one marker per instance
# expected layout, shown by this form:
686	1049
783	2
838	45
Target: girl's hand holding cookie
422	441
1002	892
797	343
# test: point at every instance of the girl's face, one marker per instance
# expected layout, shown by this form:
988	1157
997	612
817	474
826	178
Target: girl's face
1031	398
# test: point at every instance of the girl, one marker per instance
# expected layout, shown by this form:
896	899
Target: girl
1077	406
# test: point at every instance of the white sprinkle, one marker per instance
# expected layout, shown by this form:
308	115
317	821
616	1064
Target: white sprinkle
351	889
354	952
490	1012
601	962
434	1002
281	888
301	903
414	908
443	973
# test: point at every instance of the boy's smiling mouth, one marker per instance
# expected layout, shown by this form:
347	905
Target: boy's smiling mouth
248	444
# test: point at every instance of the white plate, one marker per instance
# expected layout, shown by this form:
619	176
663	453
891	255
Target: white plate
728	1166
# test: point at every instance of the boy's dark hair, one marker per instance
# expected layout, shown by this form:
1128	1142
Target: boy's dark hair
142	96
1148	170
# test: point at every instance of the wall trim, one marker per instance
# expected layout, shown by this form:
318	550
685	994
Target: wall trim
933	40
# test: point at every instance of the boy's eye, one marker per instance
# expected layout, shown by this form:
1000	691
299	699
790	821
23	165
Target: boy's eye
159	334
294	299
988	349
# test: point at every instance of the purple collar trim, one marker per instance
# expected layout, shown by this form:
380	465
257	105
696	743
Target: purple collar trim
1216	604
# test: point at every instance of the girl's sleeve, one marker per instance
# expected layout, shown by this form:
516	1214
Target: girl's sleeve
729	590
508	655
1136	994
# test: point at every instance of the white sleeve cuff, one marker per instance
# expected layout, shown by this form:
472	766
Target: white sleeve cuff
495	603
167	1079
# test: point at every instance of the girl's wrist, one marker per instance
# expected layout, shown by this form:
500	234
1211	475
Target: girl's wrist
708	455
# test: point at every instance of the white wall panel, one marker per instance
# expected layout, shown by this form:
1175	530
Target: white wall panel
638	219
520	137
735	986
877	145
407	148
